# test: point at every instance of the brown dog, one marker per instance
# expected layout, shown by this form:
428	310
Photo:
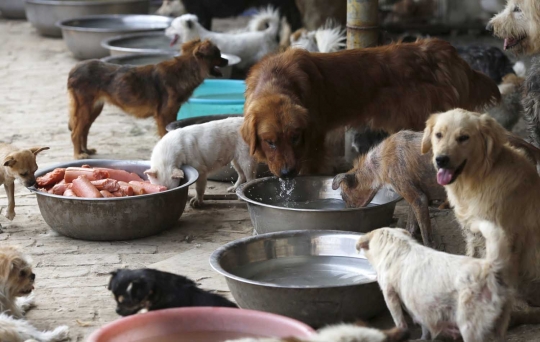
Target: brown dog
295	98
396	162
144	91
17	164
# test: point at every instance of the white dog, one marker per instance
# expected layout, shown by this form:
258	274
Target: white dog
327	38
446	294
260	38
207	147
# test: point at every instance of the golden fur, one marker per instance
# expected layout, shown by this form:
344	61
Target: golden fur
295	98
16	279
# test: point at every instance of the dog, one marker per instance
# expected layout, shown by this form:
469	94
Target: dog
171	8
509	111
207	147
150	289
142	91
398	164
16	285
330	37
342	333
486	178
295	98
446	294
260	38
17	164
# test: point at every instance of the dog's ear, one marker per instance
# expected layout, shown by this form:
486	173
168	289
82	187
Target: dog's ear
493	133
36	150
177	173
426	139
349	178
113	274
249	133
205	49
9	161
189	24
363	242
151	173
396	334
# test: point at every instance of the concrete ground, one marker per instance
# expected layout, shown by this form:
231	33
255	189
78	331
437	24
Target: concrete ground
72	275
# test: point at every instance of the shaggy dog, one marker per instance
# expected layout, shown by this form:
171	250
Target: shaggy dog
150	289
487	179
260	39
398	164
446	294
207	147
142	91
342	333
328	38
16	285
294	99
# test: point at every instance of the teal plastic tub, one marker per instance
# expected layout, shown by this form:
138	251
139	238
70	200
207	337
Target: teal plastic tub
215	97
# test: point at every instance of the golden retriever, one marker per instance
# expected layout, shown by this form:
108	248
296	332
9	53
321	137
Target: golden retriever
295	98
485	178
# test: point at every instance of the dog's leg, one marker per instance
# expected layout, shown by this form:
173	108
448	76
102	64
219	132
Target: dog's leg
412	223
80	117
394	305
98	107
420	206
241	176
164	118
10	191
200	187
501	326
426	334
26	303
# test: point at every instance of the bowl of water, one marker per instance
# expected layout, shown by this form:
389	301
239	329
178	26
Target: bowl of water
214	97
316	277
310	203
199	324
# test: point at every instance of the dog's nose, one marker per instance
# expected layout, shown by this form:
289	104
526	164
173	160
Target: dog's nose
442	161
33	276
489	27
287	173
30	183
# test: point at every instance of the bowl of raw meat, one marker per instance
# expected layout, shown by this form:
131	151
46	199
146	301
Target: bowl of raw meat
108	200
201	324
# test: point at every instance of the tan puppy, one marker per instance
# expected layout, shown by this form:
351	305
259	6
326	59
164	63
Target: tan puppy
487	179
444	293
17	164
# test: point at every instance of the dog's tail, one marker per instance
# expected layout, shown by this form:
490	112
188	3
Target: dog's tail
266	19
61	333
497	247
331	37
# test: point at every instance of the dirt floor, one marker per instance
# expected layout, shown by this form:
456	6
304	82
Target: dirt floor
71	274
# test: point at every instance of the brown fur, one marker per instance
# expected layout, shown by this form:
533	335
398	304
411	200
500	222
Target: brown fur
295	98
16	279
143	91
396	162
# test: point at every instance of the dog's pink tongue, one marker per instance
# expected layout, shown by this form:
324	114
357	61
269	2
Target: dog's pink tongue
174	40
444	176
509	42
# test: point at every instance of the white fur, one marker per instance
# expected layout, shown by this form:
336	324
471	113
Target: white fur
444	293
327	38
520	69
250	46
18	330
171	8
206	147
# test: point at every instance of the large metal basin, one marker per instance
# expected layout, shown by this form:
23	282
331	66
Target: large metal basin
109	219
12	9
308	202
150	42
316	277
44	14
226	173
83	36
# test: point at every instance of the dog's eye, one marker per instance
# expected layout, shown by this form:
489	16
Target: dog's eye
517	9
463	138
22	274
438	135
271	144
24	174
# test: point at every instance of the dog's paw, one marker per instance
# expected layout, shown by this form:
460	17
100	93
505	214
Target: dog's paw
59	334
81	156
90	151
195	202
26	303
231	189
10	215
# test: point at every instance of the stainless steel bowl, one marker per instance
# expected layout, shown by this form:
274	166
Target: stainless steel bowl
150	42
157	57
226	173
109	219
308	202
44	14
83	36
12	9
316	277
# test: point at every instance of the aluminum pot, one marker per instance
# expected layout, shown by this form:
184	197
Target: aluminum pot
44	14
316	277
110	219
12	9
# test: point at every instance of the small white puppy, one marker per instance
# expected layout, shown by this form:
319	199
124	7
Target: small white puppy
330	37
260	39
206	147
444	293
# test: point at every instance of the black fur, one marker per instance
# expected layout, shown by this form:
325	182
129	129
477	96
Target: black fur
487	59
154	290
205	10
365	139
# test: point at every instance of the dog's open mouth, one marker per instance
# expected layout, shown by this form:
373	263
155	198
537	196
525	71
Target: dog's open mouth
215	71
512	42
174	40
448	176
26	292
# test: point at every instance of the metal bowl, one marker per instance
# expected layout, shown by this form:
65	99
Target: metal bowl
12	9
83	36
157	57
109	219
316	277
150	42
308	202
226	173
44	14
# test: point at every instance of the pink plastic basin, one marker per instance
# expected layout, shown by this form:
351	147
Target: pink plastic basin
204	322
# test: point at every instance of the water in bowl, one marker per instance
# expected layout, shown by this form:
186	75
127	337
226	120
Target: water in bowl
320	203
309	271
199	336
